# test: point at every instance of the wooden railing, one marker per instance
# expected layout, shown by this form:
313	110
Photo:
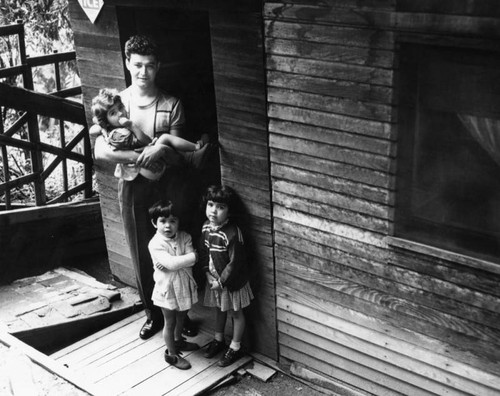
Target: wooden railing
30	105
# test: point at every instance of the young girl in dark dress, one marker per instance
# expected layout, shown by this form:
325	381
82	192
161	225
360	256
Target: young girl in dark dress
223	259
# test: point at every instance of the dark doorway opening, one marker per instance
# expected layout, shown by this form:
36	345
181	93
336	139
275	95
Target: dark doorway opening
186	65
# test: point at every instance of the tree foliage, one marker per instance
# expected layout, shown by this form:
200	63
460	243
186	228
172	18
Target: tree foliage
47	30
47	25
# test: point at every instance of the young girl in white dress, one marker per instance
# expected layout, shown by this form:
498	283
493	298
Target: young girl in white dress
174	292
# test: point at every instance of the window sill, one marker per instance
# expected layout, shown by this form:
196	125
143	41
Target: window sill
458	258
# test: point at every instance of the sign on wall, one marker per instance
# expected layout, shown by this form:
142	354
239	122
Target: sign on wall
91	8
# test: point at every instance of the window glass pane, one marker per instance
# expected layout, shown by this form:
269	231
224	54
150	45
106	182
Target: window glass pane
449	150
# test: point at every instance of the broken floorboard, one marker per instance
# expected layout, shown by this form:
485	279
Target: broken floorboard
62	306
26	371
115	361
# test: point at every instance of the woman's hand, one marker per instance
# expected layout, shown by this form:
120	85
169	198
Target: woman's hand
149	157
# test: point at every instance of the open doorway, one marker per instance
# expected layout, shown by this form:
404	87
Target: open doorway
213	60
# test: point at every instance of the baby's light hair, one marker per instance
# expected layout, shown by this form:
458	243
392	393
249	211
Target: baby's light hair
101	104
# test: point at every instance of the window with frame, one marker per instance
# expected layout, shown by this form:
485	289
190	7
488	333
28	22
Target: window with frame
448	161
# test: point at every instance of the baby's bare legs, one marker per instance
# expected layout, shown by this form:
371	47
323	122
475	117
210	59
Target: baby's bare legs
177	143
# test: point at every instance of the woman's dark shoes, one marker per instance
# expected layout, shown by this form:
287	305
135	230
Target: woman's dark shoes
150	328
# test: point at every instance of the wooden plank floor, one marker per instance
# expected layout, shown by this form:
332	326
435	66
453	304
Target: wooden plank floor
117	362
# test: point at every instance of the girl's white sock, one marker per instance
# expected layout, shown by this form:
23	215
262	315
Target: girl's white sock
219	337
235	346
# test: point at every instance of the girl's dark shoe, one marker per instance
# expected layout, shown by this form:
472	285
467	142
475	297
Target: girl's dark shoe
177	361
183	345
214	348
230	357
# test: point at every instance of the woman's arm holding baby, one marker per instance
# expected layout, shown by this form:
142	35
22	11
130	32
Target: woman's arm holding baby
136	130
105	153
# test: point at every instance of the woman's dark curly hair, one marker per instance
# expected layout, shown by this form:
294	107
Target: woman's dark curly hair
101	104
141	45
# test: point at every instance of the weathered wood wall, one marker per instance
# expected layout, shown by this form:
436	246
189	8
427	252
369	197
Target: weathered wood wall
35	240
365	312
240	86
100	64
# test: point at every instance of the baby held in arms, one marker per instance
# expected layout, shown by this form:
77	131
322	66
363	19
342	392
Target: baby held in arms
112	121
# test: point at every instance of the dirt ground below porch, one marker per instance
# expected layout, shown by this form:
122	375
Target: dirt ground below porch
280	384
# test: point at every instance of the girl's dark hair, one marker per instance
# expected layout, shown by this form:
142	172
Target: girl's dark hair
220	194
101	104
163	208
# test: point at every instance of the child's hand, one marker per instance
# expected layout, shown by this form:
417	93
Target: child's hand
215	285
159	266
199	144
95	130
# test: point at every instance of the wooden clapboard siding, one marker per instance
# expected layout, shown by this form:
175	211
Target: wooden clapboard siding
240	90
485	8
331	53
330	87
372	16
364	344
345	106
351	305
411	301
335	184
351	37
369	177
335	153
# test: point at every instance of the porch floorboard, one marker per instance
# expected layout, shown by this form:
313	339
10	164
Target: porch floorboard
117	362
